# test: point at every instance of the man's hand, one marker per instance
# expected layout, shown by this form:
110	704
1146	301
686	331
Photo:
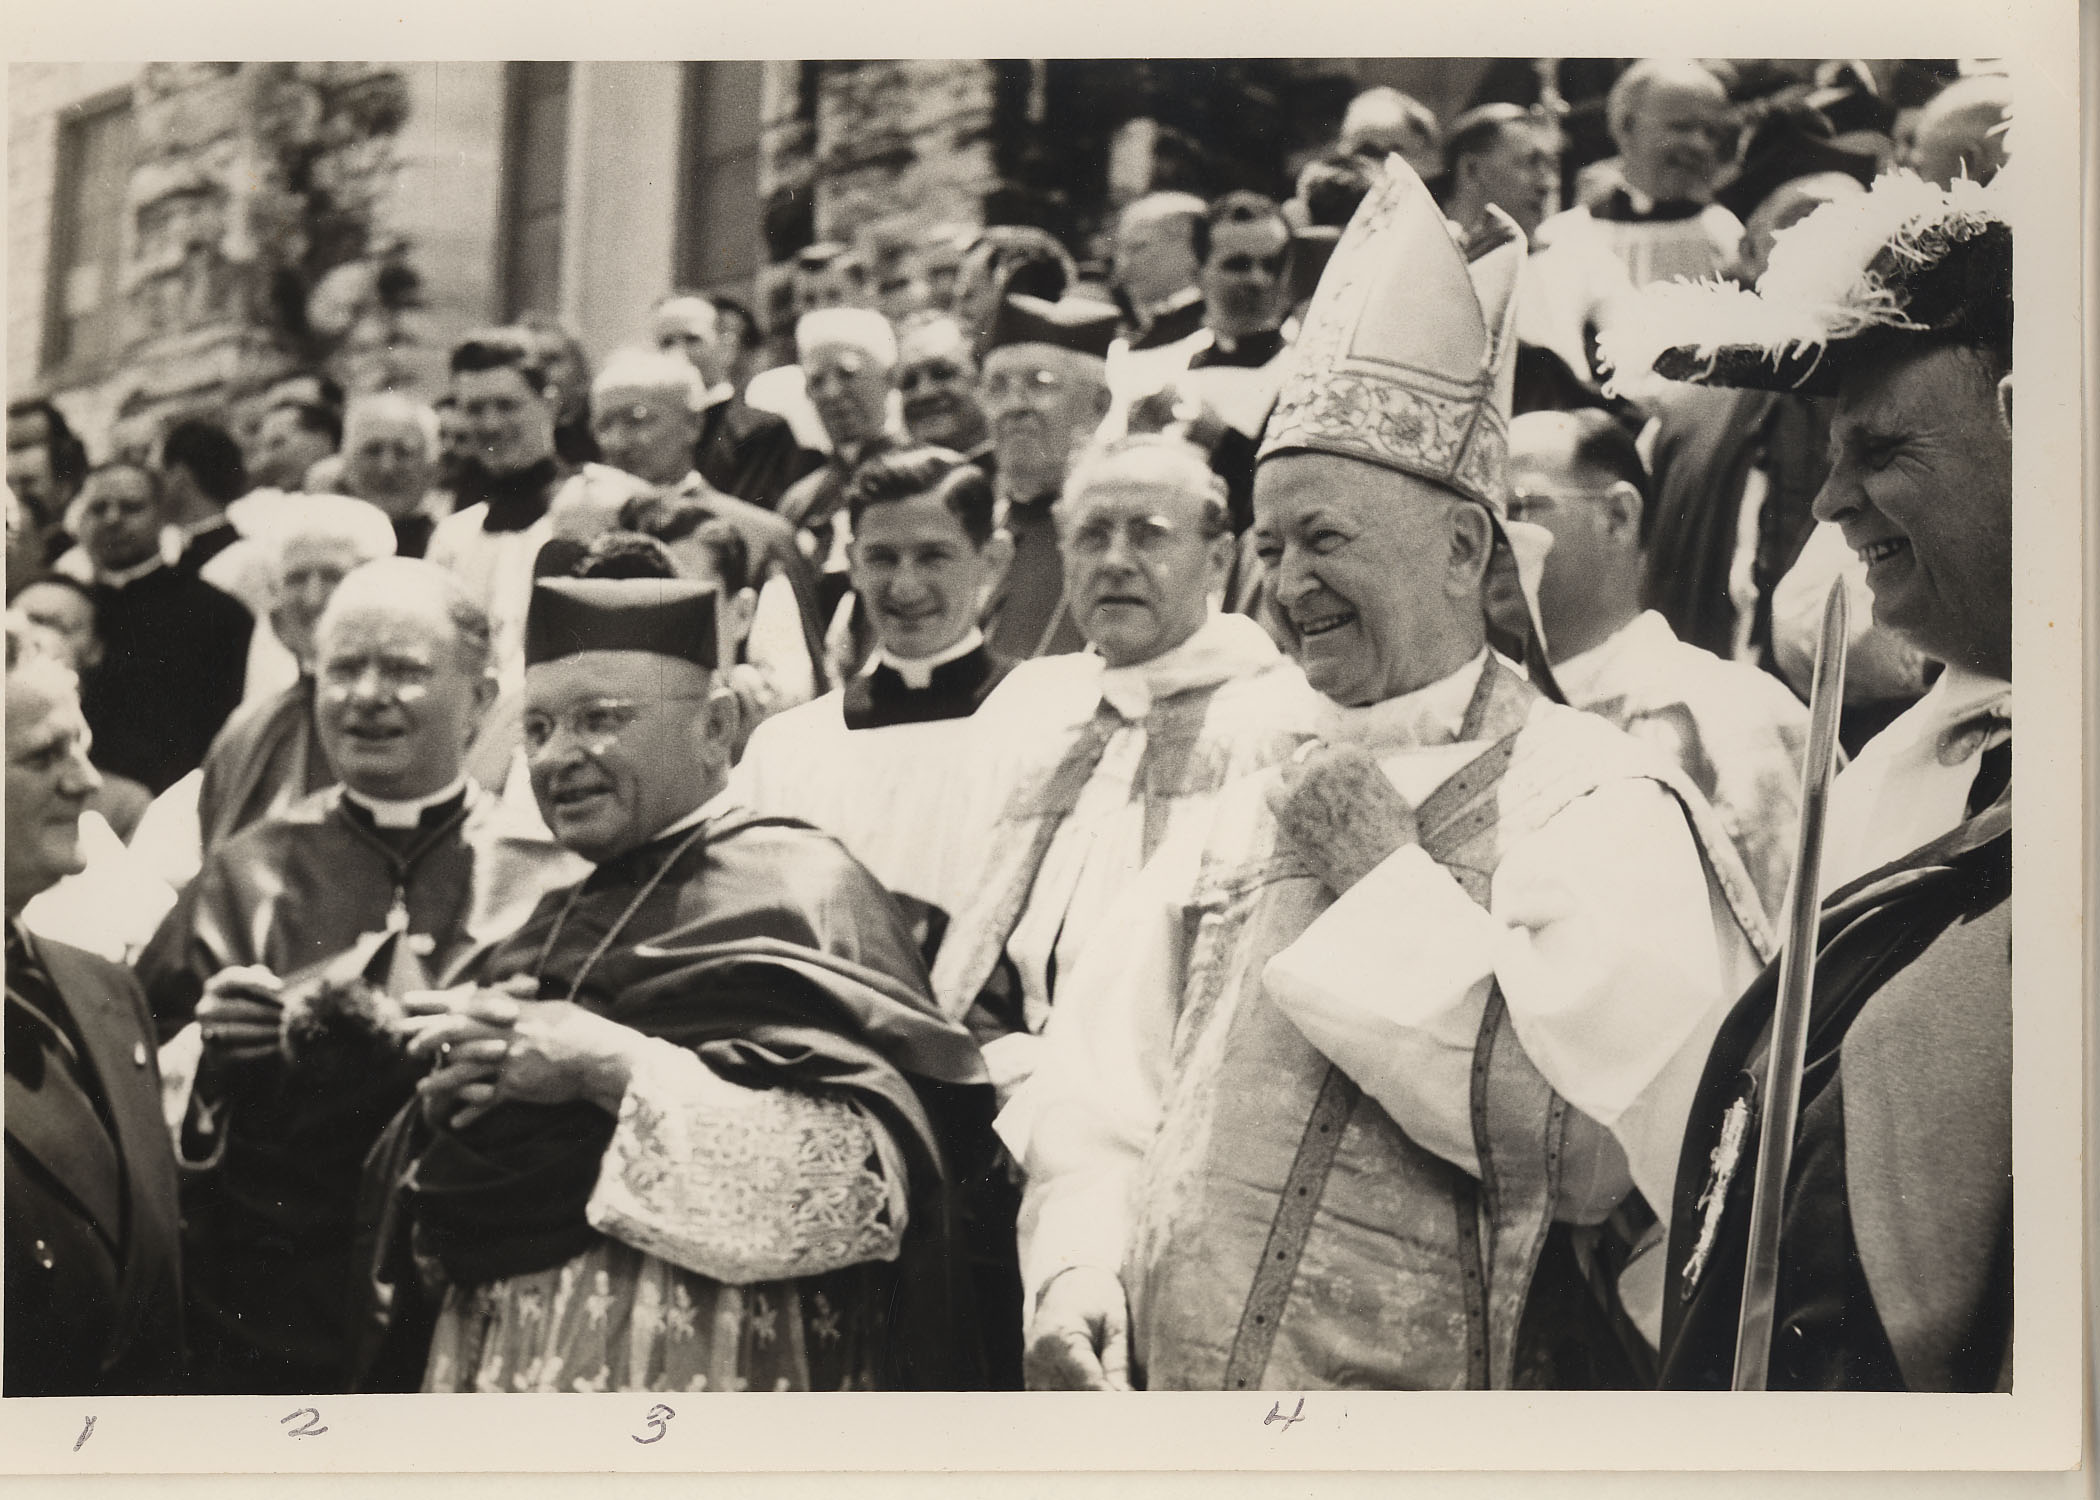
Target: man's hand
1338	811
1080	1338
492	1047
239	1014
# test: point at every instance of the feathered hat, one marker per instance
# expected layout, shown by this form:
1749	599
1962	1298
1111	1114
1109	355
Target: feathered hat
1905	261
1407	360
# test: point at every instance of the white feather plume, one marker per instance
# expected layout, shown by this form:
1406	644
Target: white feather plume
1818	286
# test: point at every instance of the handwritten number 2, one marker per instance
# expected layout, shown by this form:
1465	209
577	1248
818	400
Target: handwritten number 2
306	1428
659	1417
1276	1414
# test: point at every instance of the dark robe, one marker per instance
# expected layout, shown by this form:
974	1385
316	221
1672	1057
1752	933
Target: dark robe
1895	1269
412	533
267	1229
768	951
1168	327
267	755
1028	617
750	454
1706	443
956	690
206	543
94	1296
174	654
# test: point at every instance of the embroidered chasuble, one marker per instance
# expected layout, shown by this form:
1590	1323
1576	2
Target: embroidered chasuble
273	1154
771	1209
1365	1142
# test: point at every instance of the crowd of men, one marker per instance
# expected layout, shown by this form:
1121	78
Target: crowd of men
1224	829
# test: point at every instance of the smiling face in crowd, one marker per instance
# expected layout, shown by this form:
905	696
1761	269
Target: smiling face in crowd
1142	561
509	423
1675	142
1920	482
938	381
622	744
1378	573
921	578
399	696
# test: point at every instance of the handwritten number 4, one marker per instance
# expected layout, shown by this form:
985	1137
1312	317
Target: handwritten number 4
1276	1415
306	1428
659	1417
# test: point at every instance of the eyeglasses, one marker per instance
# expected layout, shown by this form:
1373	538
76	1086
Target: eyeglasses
1149	536
1036	382
1524	503
596	724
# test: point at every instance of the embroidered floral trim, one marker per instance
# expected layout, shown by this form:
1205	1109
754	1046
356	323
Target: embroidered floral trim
745	1185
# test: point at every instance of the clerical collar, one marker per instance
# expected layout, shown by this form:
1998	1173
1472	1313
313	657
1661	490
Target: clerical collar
1580	674
1256	348
387	813
719	394
518	499
1225	646
1427	717
117	578
1186	297
1629	205
917	671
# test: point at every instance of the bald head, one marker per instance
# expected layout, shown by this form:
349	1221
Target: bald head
1671	122
1958	134
402	678
1578	476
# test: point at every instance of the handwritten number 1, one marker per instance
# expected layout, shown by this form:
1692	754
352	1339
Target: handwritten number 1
85	1433
659	1417
1276	1415
306	1428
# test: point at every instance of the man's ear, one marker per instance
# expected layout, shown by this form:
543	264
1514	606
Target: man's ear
1622	512
2005	402
1472	544
1219	554
486	691
722	717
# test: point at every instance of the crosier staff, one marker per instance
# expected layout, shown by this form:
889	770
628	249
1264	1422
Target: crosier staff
1797	973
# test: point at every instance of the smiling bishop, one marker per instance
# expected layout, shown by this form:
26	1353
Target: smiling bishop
1375	1079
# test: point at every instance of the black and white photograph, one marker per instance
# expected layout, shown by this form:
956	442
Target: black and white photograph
1295	727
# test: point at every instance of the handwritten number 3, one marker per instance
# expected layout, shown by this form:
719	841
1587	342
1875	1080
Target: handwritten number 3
306	1428
659	1417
